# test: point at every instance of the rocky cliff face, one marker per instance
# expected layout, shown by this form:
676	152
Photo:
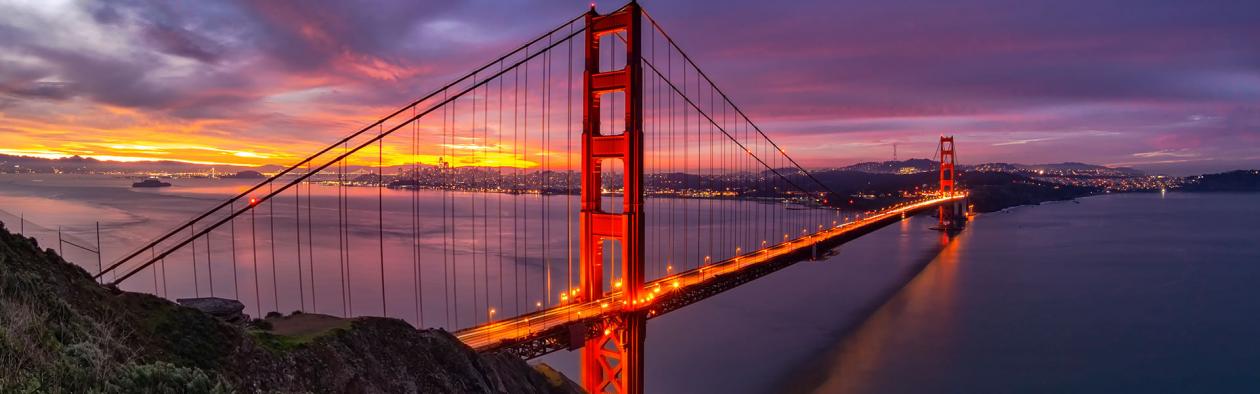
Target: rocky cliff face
62	332
385	355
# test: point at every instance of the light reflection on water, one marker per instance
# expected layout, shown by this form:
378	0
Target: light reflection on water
505	252
1120	293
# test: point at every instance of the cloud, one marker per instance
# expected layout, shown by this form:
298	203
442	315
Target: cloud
1024	141
1166	153
833	81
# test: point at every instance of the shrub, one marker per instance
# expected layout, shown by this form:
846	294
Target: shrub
161	377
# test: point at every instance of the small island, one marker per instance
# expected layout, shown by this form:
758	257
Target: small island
247	174
151	182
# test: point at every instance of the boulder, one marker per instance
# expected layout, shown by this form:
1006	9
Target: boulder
231	311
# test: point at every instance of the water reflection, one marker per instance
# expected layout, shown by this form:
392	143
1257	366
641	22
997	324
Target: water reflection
861	354
435	258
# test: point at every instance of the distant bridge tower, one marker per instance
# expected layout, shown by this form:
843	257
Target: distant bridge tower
951	216
612	361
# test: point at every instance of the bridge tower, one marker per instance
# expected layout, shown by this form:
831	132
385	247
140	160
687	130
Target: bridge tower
612	362
950	216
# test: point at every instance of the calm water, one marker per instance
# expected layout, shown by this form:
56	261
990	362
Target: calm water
1124	293
507	253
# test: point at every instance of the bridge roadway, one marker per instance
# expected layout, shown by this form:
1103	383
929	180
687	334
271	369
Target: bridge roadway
566	326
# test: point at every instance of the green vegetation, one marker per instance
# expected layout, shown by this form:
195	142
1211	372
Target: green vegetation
287	342
61	332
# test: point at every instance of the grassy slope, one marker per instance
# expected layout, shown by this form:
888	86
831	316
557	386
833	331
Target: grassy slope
61	332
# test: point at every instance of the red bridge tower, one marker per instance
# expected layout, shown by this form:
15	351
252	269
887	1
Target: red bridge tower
612	362
951	216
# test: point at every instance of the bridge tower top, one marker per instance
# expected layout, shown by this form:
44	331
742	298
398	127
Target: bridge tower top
947	165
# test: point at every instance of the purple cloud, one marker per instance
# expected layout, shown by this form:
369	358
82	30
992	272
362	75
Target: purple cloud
1034	81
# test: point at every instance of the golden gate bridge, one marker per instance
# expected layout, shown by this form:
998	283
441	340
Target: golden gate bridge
589	180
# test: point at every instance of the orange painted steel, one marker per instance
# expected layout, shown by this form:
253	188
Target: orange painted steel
613	362
493	336
947	214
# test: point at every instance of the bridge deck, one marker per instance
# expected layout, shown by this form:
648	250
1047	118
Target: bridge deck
552	329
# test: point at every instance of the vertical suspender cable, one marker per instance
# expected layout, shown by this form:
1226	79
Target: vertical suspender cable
516	188
485	200
568	167
236	287
271	244
209	270
546	179
253	244
380	210
446	186
297	228
415	218
472	197
498	129
196	285
525	153
310	240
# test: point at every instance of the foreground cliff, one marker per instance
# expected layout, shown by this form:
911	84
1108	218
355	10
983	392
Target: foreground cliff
61	332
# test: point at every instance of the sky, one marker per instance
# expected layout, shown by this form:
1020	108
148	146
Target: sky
1165	86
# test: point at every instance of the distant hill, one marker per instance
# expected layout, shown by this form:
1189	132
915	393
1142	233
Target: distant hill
78	164
12	164
911	166
1233	181
893	167
1059	168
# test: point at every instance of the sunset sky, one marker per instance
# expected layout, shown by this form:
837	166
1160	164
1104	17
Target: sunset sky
1166	86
